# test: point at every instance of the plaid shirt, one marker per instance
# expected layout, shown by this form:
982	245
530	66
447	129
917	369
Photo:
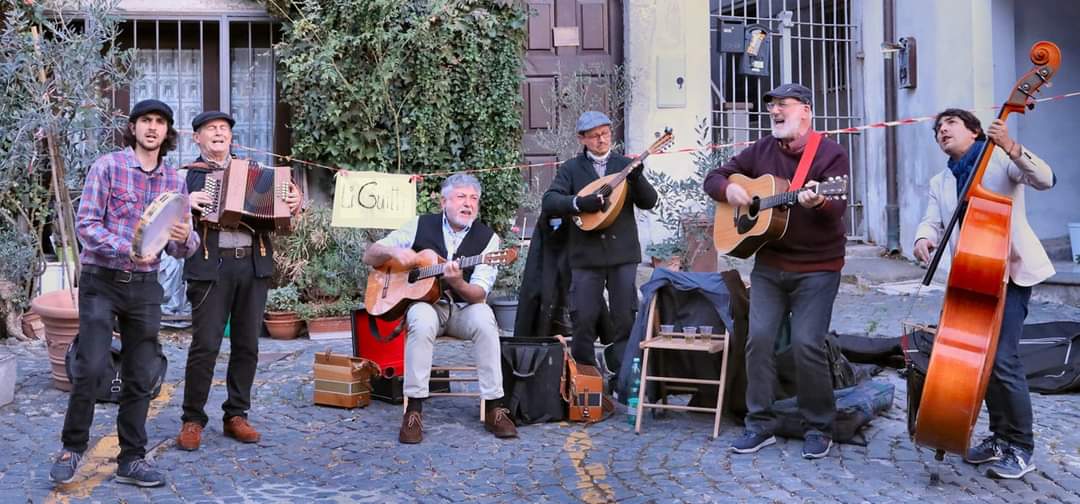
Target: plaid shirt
117	191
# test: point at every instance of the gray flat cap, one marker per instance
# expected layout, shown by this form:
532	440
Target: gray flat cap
592	119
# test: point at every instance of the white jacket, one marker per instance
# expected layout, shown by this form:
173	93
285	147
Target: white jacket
1028	262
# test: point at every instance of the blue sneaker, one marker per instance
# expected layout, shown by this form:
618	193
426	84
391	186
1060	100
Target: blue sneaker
991	449
816	445
140	473
751	442
1015	463
65	467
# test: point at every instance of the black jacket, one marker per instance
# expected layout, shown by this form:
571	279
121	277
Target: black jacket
204	264
614	245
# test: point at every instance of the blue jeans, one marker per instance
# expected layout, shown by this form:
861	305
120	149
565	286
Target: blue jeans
809	298
1007	397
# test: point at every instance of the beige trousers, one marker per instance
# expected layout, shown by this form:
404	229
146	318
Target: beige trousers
475	322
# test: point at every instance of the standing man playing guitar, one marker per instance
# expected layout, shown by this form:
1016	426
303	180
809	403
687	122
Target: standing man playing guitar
959	134
797	274
228	278
605	257
452	233
116	284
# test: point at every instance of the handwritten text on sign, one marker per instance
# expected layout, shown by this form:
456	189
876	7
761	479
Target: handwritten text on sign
373	200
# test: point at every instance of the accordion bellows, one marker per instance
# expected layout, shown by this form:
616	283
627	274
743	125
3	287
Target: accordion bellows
247	193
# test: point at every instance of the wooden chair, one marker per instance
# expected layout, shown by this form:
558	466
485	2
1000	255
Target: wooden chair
452	378
655	340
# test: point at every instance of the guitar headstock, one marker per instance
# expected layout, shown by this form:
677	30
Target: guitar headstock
501	257
663	142
834	188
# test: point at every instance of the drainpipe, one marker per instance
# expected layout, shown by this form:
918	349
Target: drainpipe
892	208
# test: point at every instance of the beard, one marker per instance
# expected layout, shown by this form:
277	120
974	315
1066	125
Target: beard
460	220
786	131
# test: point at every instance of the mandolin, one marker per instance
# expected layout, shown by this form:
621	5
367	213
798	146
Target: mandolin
392	286
739	231
613	188
971	315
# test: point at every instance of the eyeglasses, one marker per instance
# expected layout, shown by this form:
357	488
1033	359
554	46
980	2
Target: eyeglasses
781	105
597	136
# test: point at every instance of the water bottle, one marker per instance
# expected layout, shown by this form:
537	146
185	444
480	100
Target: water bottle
632	400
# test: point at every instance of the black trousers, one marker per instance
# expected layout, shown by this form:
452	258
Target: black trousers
241	296
586	301
134	302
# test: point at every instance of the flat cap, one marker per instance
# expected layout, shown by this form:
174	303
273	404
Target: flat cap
791	90
211	115
147	106
592	119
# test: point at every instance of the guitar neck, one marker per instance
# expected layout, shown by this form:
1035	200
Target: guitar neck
781	199
437	269
621	176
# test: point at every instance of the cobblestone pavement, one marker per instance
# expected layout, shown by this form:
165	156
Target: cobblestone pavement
311	453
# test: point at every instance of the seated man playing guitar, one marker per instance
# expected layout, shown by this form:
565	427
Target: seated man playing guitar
798	273
461	312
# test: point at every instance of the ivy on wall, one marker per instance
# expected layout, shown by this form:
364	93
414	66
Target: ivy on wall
408	86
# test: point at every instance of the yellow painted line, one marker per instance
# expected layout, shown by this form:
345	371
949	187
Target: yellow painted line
577	446
100	461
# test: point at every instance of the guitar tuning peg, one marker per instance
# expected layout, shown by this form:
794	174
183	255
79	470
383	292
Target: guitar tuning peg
844	197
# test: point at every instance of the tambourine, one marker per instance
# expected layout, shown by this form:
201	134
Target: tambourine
152	231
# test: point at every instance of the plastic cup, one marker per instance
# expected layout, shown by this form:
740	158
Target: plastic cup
666	330
706	331
689	333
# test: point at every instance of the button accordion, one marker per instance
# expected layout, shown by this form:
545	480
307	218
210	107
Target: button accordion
249	194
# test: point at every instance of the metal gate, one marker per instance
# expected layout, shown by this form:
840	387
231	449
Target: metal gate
760	44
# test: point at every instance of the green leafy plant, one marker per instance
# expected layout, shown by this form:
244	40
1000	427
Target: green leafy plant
683	202
325	309
283	299
408	87
322	261
57	72
511	276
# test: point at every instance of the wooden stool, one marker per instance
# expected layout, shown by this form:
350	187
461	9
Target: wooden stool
676	341
450	370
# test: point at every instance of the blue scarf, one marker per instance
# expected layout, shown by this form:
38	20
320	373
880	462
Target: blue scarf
962	168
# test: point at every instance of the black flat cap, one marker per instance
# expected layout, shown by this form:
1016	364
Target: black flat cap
211	115
147	106
791	90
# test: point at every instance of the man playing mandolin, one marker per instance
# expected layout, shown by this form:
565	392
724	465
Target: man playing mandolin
797	274
115	283
605	257
453	233
959	134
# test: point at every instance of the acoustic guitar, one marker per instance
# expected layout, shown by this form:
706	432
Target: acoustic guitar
613	188
740	231
392	286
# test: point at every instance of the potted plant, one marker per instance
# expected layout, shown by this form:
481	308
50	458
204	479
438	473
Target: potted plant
281	319
503	297
328	319
667	254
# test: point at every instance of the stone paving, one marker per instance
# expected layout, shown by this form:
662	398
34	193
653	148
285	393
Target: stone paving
317	454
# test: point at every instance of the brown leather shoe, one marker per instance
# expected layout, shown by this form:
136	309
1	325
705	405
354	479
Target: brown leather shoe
412	428
190	436
498	422
239	429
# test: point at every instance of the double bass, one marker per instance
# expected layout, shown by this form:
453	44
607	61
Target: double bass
967	334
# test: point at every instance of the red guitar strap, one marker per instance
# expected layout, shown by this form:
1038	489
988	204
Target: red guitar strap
804	162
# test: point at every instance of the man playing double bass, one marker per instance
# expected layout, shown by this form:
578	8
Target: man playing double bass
959	134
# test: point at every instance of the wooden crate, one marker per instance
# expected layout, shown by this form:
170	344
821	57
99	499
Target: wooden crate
343	381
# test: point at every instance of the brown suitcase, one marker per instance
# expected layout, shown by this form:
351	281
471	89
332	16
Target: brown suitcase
584	392
343	381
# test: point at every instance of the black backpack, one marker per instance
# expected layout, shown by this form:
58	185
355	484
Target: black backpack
109	383
532	370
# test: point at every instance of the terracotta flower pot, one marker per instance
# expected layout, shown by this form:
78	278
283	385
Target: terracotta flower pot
61	318
283	325
330	328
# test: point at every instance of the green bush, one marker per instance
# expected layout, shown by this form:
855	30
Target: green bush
323	262
408	87
283	299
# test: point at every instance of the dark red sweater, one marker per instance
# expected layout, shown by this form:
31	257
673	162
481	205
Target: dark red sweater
815	238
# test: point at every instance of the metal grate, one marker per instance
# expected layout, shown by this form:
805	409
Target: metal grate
811	43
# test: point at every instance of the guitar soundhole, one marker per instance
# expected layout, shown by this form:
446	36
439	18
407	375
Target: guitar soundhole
414	275
745	222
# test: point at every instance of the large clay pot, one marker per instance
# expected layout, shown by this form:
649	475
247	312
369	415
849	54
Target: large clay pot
283	325
330	328
61	318
505	309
